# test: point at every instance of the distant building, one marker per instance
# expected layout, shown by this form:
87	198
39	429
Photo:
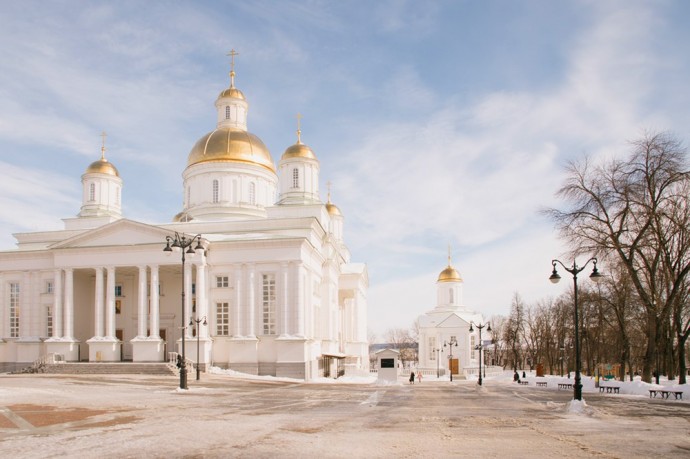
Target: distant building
449	323
276	285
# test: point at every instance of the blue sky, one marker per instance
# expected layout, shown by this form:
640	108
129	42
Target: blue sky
444	122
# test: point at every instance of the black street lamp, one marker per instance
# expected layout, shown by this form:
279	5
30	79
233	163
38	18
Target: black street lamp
191	323
596	277
183	244
453	342
480	346
438	350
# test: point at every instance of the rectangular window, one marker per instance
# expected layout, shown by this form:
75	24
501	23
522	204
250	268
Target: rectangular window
222	281
14	310
269	304
49	321
118	290
193	288
49	287
222	319
473	340
432	348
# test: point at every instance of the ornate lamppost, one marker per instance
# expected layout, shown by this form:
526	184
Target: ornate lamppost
480	346
191	323
596	277
183	244
453	342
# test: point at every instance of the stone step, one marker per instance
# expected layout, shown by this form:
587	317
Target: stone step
110	368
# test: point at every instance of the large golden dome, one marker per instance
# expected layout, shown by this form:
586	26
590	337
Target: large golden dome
231	92
102	166
449	274
299	150
231	144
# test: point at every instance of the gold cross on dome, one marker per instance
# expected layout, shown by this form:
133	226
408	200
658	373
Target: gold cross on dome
299	128
232	55
103	136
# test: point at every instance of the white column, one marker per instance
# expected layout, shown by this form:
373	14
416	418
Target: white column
110	303
99	328
284	301
187	276
251	306
237	313
142	310
299	300
57	304
69	304
155	304
201	304
25	305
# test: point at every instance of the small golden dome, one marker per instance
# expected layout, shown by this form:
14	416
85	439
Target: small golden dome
102	166
333	209
231	144
449	274
182	217
232	92
299	150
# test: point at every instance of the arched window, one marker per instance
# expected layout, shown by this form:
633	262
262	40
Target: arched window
92	192
215	191
252	193
295	178
227	112
450	293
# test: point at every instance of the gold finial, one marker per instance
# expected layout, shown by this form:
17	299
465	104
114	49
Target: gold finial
449	260
103	136
299	130
232	55
328	184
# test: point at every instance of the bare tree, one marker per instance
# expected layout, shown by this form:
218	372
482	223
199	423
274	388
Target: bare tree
514	331
401	340
630	208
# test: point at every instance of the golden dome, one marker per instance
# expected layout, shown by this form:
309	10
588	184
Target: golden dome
299	150
231	144
333	209
449	274
102	166
232	92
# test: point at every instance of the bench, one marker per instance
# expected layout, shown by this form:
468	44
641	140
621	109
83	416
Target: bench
541	383
565	386
665	393
524	383
610	389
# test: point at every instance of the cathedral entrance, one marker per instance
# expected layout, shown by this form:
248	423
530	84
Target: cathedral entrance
454	366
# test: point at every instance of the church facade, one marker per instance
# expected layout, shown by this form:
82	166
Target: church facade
446	342
273	292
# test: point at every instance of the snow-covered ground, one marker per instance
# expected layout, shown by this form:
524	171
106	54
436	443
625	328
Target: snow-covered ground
230	414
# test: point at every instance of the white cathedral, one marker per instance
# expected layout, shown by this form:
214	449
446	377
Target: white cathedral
449	333
274	285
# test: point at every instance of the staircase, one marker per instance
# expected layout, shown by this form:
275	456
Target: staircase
104	368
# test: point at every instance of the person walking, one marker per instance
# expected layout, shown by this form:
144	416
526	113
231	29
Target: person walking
419	376
411	377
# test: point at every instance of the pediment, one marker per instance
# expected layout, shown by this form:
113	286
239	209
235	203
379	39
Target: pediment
443	320
120	233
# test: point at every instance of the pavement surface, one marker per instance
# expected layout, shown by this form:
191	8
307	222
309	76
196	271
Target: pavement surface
44	416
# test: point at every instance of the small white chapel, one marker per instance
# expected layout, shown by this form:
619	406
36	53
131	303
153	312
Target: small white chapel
273	292
446	343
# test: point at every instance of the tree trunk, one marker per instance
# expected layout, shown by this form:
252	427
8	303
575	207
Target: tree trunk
650	354
682	369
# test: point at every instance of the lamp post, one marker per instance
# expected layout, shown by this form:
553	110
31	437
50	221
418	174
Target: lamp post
183	244
479	346
596	277
192	322
453	342
438	351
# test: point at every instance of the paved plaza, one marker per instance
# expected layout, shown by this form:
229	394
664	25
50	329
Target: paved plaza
45	416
